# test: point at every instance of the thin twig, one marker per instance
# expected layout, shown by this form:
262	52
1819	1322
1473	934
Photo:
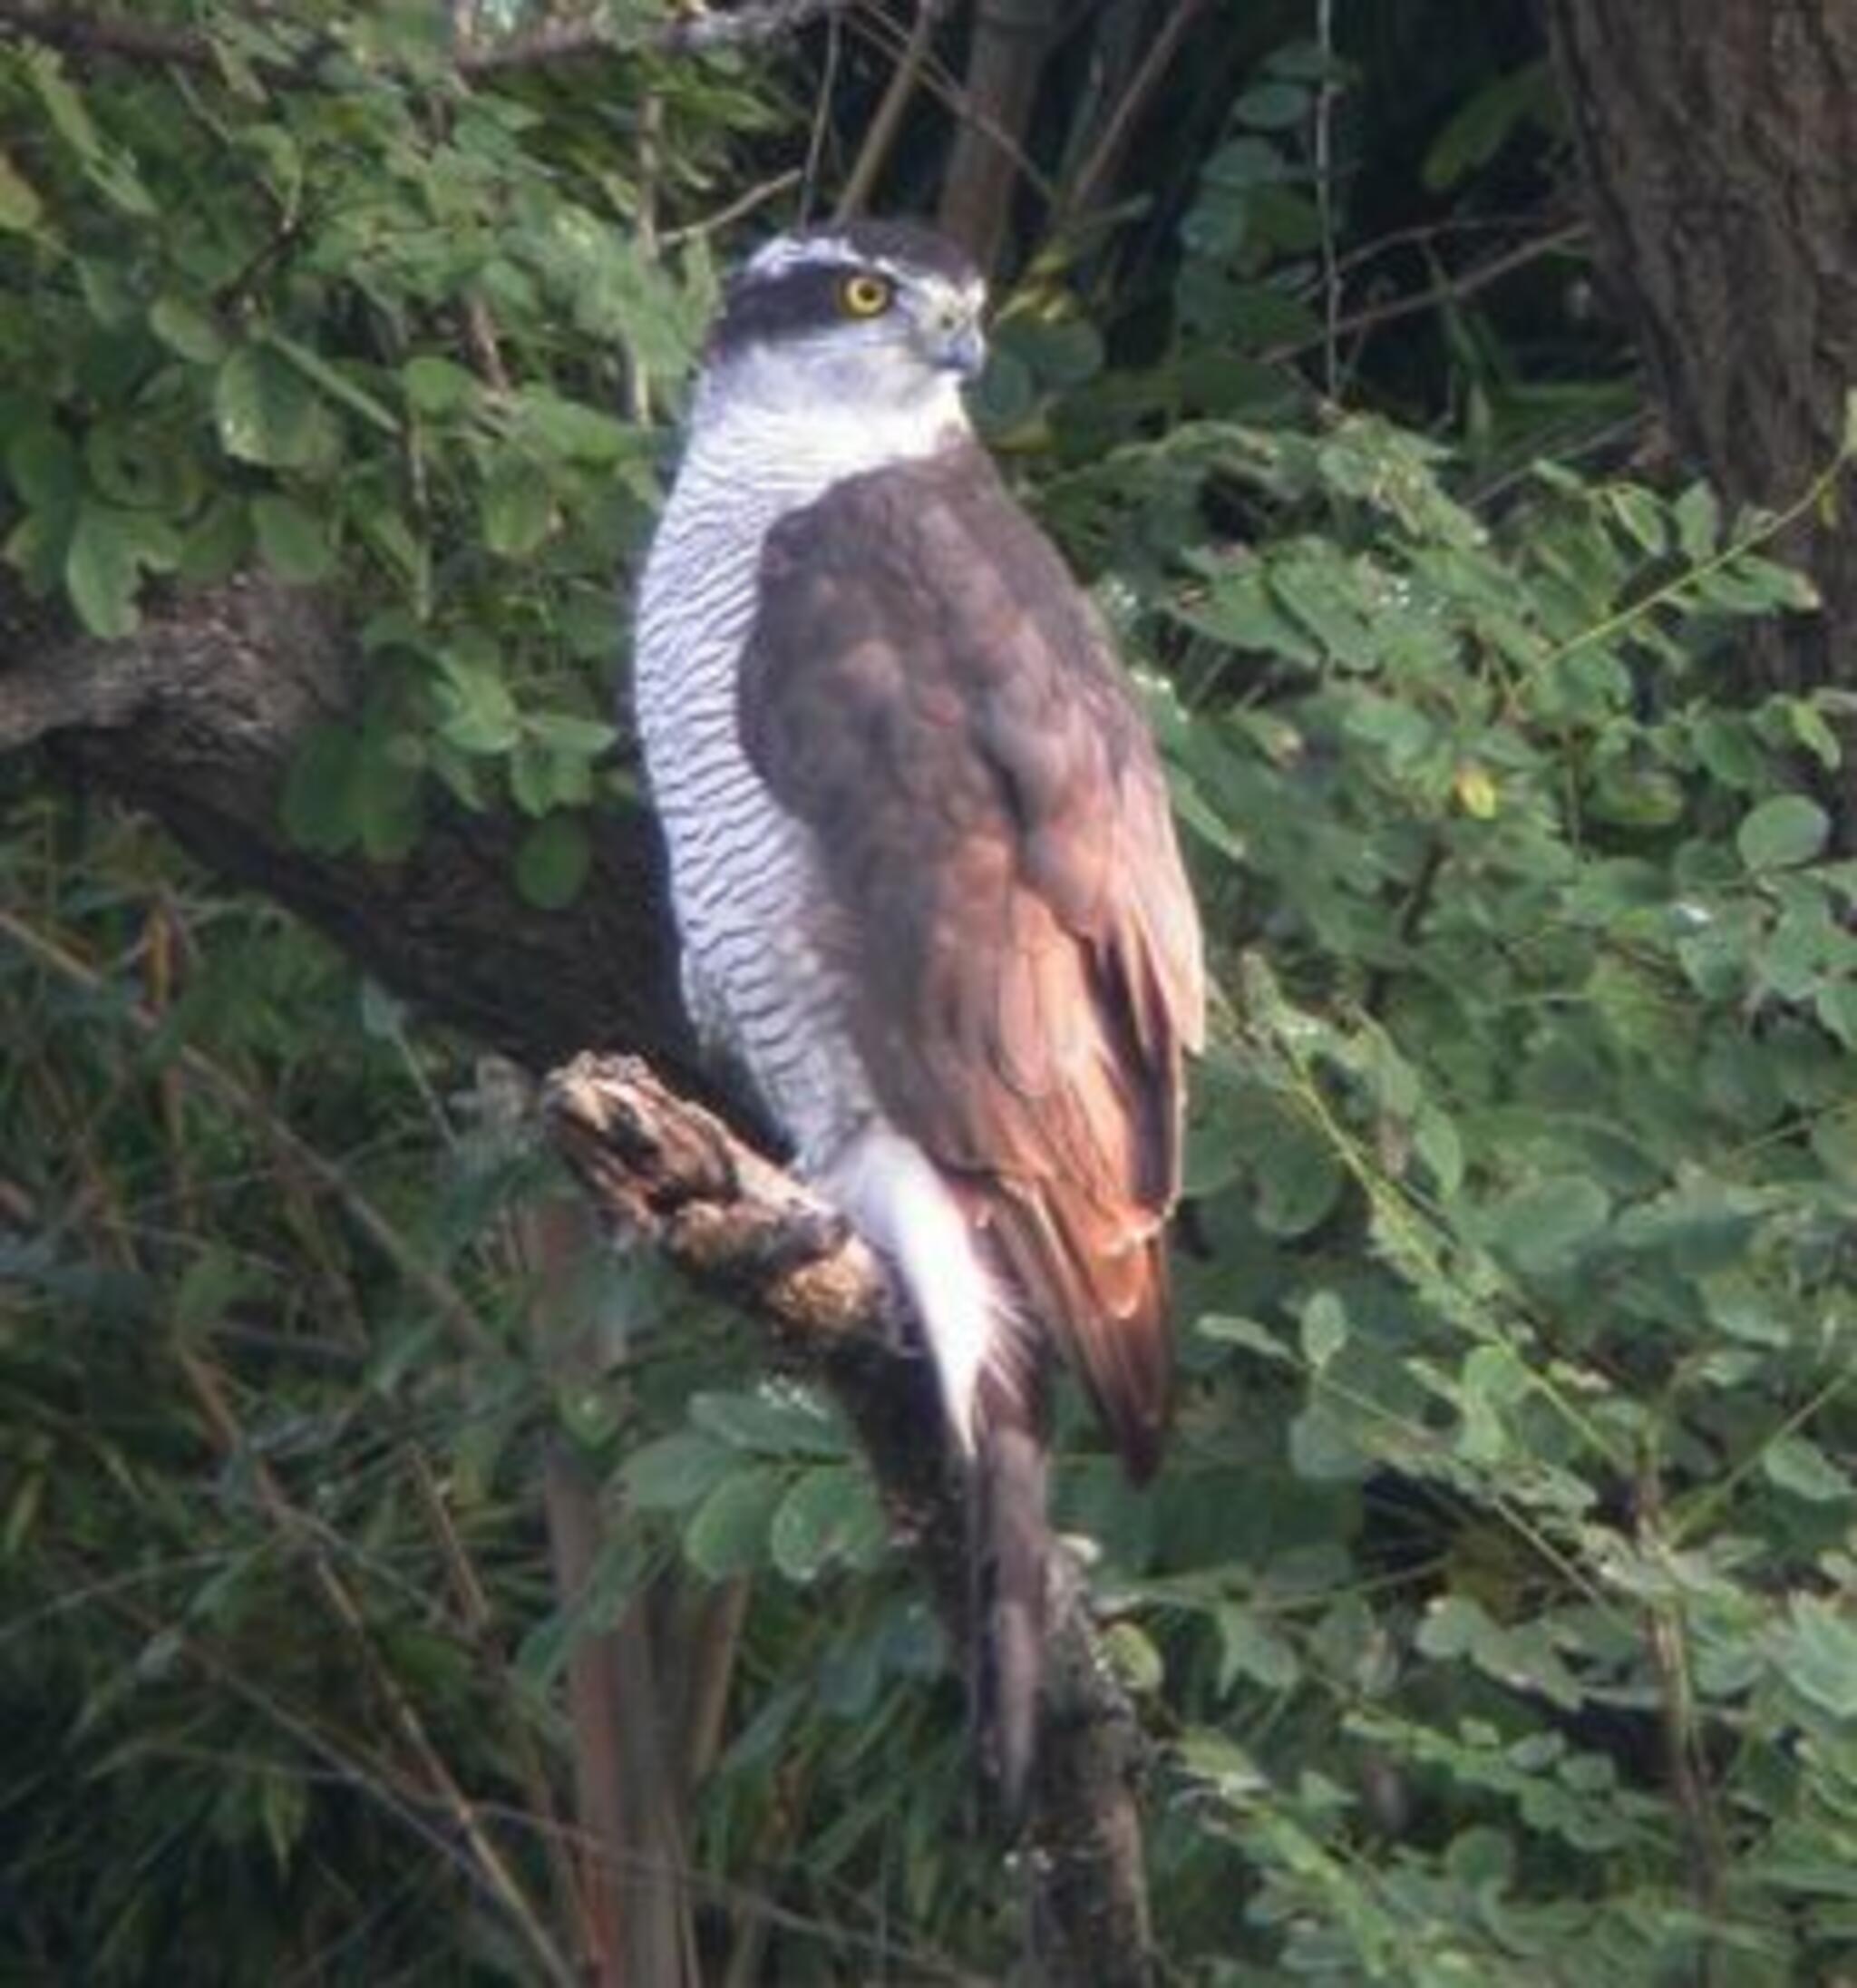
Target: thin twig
880	136
1083	189
246	1104
1453	290
474	1608
1425	234
743	203
484	346
1325	200
646	232
822	116
1666	1640
941	83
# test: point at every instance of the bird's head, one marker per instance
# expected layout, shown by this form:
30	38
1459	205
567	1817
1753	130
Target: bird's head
859	321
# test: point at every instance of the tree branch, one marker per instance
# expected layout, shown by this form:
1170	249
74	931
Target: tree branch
197	718
1105	156
666	1174
54	25
695	32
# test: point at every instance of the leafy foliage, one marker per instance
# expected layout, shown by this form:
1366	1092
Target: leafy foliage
1492	1616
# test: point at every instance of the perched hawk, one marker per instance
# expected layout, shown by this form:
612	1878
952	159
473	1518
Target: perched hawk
923	868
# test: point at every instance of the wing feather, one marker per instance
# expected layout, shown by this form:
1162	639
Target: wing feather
927	687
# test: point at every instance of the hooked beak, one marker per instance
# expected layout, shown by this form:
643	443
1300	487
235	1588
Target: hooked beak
958	345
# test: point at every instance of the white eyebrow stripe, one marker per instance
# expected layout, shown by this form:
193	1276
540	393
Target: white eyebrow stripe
783	253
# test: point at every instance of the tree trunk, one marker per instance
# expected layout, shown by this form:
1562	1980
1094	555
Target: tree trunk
1718	144
1005	62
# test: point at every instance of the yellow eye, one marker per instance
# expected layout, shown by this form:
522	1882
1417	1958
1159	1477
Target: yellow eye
864	296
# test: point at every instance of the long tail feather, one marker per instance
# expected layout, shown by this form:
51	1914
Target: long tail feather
1011	1558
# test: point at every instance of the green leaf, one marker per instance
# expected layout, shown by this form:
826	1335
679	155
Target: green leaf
541	780
186	330
292	541
476	712
335	384
569	732
385	795
1483	123
517	508
1698	523
828	1515
728	1535
437	387
1063	352
1546	1226
1451	1627
676	1471
210	1283
317	810
1495	1374
1781	834
64	105
216	542
1817	1654
103	563
1642	516
1798	1465
20	206
1260	315
573	430
42	466
267	413
783	1424
1322	1449
1435	1140
1324	1329
1299	1180
1272	107
552	863
109	170
1250	1647
1836	1006
1135	1657
1229	1329
1246	162
1005	395
1806	723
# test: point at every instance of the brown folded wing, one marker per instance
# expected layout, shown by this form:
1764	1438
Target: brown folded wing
927	687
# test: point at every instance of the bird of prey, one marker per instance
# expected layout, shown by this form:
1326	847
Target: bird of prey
923	868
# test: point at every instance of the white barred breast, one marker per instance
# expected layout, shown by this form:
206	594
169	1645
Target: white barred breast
743	883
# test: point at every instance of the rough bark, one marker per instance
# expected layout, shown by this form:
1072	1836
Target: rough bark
1717	146
668	1174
